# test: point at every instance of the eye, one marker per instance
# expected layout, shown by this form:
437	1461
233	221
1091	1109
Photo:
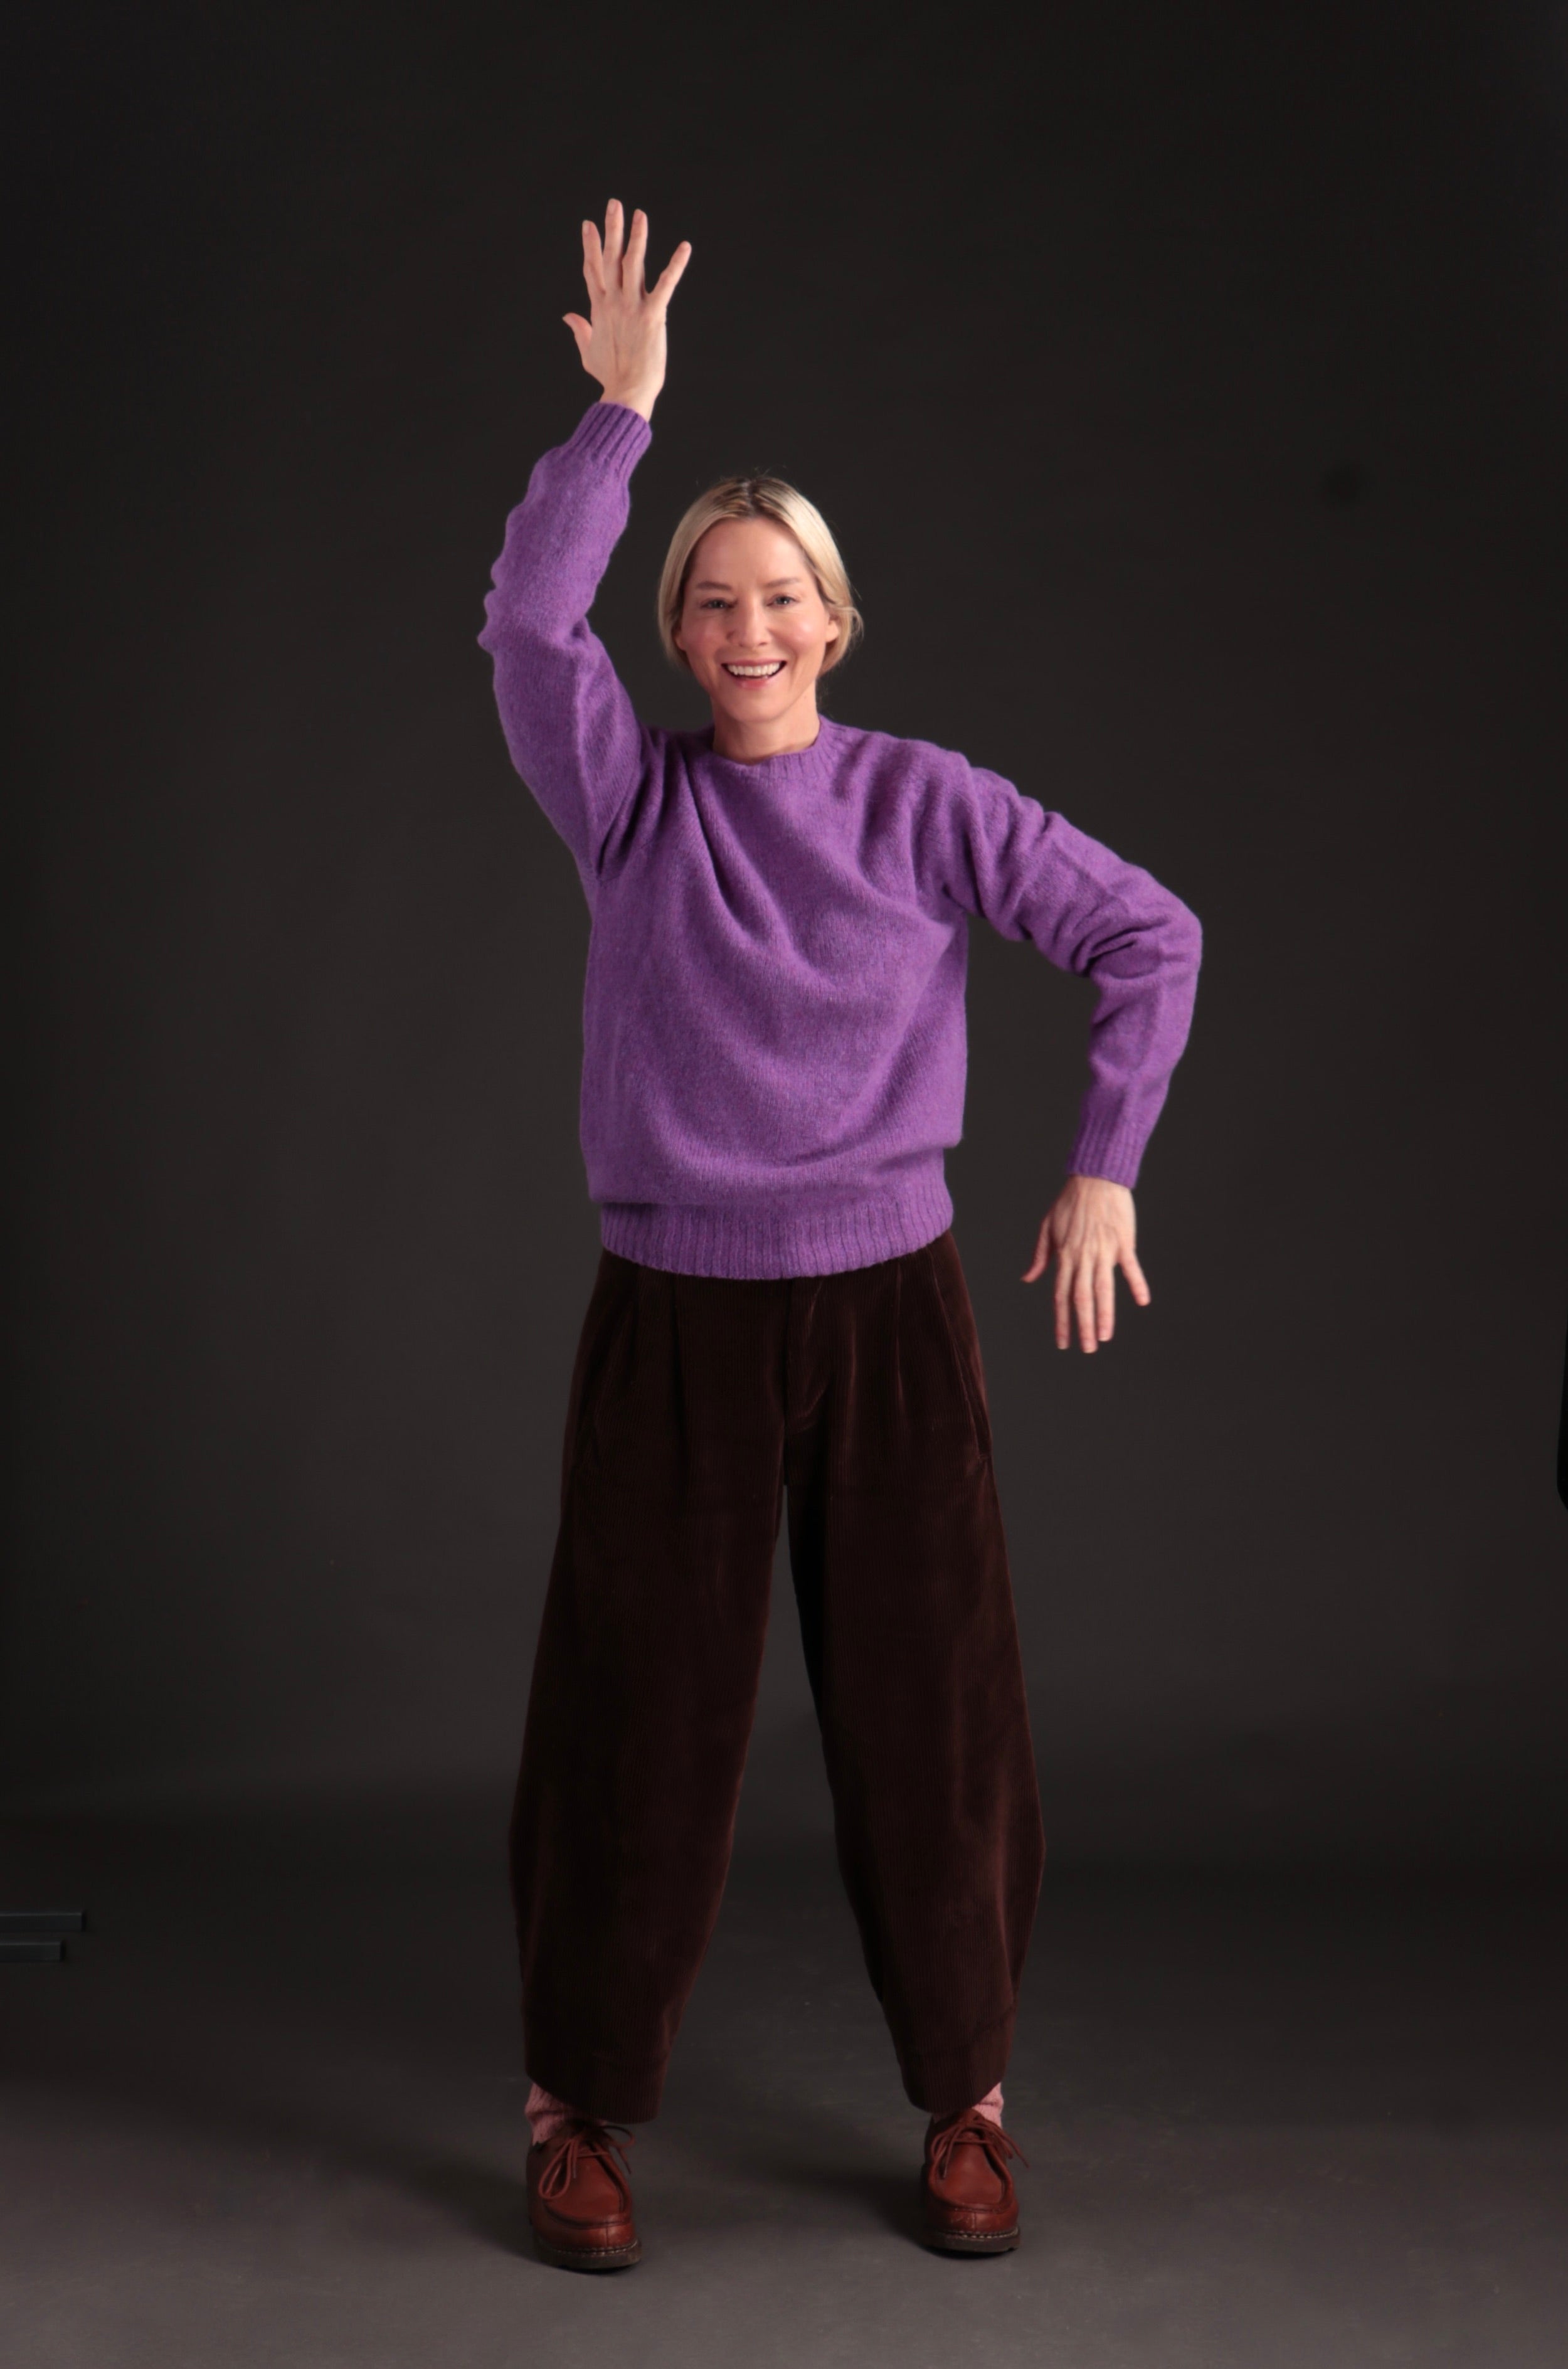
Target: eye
713	602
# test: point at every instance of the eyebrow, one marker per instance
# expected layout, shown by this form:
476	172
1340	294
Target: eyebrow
707	584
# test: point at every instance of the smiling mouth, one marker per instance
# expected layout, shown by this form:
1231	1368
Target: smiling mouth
754	673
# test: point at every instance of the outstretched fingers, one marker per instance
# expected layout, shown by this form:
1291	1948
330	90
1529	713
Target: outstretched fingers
624	346
1062	1298
664	287
1106	1296
1085	1283
615	263
636	255
1085	1293
615	241
592	259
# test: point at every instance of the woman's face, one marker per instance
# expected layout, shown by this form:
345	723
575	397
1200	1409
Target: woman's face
753	625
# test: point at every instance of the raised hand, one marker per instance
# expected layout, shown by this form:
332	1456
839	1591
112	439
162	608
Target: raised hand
1089	1229
622	346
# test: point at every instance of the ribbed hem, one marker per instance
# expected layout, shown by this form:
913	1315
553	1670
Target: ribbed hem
760	1245
614	434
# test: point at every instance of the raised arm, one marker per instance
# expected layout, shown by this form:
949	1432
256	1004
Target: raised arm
570	726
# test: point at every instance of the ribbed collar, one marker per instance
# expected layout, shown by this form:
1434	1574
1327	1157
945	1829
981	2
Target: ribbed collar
816	764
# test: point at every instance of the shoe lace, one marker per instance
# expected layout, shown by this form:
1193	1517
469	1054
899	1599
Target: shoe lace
973	2129
585	2138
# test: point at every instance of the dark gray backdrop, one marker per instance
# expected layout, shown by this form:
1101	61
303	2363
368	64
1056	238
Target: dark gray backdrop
1187	386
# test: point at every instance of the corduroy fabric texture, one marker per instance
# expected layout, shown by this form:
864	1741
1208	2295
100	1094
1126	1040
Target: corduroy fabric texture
699	1405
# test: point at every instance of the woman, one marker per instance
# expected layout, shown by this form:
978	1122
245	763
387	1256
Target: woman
773	1065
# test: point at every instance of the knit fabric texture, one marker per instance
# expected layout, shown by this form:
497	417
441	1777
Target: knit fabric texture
775	1049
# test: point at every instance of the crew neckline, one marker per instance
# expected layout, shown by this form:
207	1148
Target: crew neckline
812	759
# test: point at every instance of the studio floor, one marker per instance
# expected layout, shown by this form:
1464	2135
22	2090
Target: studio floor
270	2110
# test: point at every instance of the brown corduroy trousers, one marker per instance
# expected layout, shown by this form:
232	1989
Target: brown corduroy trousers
696	1403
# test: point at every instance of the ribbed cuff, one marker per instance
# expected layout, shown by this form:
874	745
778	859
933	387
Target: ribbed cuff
1107	1147
613	435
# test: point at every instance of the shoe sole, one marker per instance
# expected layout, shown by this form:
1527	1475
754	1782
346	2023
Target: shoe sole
583	2257
958	2241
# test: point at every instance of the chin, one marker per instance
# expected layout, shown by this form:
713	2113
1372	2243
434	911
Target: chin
755	712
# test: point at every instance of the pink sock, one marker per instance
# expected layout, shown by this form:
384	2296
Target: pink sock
547	2113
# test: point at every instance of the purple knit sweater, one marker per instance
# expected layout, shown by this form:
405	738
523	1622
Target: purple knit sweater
774	1030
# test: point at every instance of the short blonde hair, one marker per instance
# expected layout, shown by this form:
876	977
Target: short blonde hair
766	498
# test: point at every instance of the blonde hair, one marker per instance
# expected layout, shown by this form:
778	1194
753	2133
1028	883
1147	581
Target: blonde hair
766	498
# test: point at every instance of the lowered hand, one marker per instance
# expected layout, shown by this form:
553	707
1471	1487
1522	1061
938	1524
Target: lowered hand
1090	1228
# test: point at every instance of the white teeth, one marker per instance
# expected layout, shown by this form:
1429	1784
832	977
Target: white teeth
748	673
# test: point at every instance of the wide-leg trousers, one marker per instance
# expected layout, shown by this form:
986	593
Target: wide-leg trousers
697	1403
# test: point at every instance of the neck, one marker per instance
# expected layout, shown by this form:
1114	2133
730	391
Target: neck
785	736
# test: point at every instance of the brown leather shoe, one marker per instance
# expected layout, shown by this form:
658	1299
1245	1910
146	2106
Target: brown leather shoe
967	2195
579	2200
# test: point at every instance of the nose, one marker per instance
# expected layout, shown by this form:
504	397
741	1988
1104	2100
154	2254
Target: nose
748	625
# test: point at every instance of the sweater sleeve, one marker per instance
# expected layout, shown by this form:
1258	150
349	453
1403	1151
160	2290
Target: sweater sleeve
1031	874
568	722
